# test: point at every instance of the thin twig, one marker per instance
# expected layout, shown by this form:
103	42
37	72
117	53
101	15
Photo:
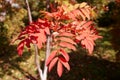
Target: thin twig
47	5
37	61
29	12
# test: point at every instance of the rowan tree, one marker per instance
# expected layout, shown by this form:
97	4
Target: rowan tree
60	29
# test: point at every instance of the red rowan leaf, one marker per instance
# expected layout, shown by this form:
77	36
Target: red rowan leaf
88	10
47	14
59	69
52	55
82	15
20	48
66	34
91	47
88	45
27	43
80	37
41	38
75	13
41	21
64	62
33	39
52	63
62	58
83	4
53	8
64	54
80	24
90	39
67	40
66	65
64	17
72	16
96	37
42	24
85	13
67	45
39	43
47	31
20	37
87	24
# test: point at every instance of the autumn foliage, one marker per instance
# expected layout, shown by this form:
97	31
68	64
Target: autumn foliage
67	27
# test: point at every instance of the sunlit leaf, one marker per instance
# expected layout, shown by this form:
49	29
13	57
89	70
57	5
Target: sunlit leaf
20	47
69	40
67	45
66	56
66	34
52	63
59	69
66	65
52	55
83	4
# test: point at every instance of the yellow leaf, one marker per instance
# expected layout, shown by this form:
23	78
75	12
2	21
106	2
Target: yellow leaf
83	4
94	15
76	6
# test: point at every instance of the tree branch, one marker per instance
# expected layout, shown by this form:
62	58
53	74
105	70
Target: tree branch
35	46
29	12
48	47
47	5
42	75
48	50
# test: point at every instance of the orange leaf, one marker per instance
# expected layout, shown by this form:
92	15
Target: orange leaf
66	65
80	37
47	31
82	15
41	38
85	13
88	45
66	34
27	43
47	14
66	56
96	37
67	40
20	47
59	69
52	63
52	55
67	45
39	43
80	24
83	4
87	24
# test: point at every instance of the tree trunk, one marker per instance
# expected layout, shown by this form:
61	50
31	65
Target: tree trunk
35	46
42	73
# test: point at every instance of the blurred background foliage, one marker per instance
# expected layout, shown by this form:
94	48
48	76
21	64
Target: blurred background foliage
104	64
